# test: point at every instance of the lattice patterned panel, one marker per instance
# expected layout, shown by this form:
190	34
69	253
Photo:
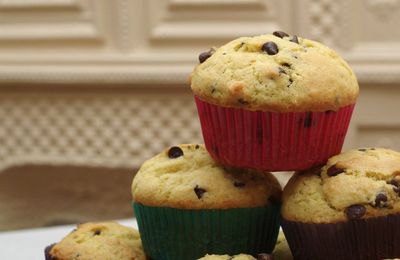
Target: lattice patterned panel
111	129
323	16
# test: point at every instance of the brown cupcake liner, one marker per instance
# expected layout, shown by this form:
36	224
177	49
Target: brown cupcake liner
366	239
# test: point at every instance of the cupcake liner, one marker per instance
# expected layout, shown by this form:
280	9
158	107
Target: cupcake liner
47	250
272	141
365	239
169	233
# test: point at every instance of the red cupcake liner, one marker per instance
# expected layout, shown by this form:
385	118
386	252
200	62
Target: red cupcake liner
272	141
362	239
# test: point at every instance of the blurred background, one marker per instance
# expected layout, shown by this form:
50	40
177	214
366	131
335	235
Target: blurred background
89	89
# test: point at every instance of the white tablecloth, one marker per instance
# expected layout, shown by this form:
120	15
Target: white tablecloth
29	244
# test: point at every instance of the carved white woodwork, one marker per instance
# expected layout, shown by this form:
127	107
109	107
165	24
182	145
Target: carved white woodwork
150	47
105	129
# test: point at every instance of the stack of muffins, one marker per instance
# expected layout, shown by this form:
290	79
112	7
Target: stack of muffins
270	103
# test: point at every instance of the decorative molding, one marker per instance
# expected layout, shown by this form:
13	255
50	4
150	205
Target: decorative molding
323	20
157	41
215	3
72	20
112	129
123	25
29	4
59	32
179	19
208	30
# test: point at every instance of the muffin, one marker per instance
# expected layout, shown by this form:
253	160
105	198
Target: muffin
273	102
103	240
281	252
188	206
348	209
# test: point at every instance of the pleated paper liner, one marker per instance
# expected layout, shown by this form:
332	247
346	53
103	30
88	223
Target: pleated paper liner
364	239
47	250
174	234
272	141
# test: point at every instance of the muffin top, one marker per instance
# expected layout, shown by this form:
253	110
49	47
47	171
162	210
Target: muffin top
360	183
281	252
185	176
105	240
278	73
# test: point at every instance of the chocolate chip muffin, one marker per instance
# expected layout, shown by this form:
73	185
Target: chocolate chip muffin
282	250
275	73
103	240
348	209
273	102
183	197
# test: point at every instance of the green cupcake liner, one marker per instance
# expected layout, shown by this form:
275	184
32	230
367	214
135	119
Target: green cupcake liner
173	234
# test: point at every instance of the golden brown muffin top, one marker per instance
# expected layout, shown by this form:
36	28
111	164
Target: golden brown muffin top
185	176
359	183
281	252
103	240
271	73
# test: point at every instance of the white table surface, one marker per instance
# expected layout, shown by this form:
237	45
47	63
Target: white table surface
30	243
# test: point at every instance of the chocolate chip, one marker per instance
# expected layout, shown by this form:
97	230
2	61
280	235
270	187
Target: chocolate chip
355	211
362	150
295	39
97	232
197	146
47	252
290	82
239	184
270	47
333	171
380	200
396	185
285	64
205	55
308	120
199	191
242	101
264	257
175	152
394	182
280	34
